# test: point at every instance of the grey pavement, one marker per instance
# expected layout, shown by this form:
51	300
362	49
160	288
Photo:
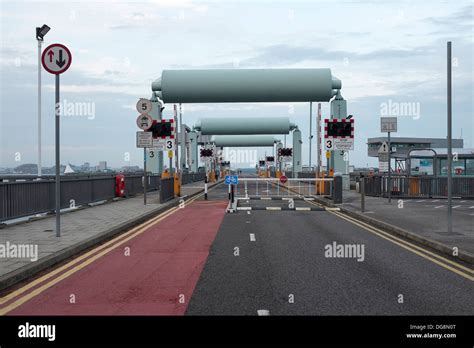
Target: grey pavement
79	229
423	217
286	261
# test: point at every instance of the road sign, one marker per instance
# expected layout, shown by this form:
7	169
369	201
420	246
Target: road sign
164	144
388	124
383	166
170	154
383	148
144	106
144	139
283	179
231	179
343	144
56	59
144	121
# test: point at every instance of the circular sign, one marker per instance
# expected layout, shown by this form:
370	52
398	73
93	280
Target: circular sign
283	179
144	121
56	59
144	106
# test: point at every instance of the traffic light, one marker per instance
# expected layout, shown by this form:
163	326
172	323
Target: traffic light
339	129
285	152
206	152
161	129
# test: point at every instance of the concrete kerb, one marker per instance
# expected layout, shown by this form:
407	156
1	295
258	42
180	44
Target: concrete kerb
22	273
432	244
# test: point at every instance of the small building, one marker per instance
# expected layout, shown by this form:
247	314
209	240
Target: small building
402	146
435	162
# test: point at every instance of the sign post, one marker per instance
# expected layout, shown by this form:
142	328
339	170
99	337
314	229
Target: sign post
56	59
144	139
389	124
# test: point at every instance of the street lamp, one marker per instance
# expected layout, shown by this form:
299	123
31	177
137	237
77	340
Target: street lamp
40	33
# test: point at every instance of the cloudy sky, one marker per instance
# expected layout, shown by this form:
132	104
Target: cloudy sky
383	51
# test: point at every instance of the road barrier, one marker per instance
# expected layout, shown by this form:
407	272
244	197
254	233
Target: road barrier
22	196
414	187
167	189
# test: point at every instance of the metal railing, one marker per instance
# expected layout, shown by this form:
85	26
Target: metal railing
427	187
273	187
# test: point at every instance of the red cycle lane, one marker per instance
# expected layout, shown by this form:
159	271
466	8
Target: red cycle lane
154	273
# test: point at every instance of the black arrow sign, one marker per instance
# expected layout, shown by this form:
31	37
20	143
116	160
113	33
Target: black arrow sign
60	62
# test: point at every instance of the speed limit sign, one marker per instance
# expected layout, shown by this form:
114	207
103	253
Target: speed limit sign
329	145
144	106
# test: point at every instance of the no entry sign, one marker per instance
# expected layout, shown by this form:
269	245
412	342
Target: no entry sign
56	59
283	179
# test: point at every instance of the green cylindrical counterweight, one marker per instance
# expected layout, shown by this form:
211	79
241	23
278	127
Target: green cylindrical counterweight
240	125
245	85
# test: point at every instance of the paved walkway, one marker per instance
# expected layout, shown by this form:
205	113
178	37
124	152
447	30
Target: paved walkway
79	230
424	217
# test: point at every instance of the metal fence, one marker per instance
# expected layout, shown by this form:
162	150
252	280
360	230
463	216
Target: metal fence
192	177
167	189
426	187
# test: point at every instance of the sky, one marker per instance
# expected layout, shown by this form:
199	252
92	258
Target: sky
385	53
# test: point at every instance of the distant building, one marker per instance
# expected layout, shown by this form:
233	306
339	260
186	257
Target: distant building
404	145
102	167
435	162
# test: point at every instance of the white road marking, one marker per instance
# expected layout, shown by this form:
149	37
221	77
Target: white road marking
471	207
273	208
421	200
244	208
262	312
456	206
436	200
266	198
439	206
462	202
332	209
303	208
252	237
248	213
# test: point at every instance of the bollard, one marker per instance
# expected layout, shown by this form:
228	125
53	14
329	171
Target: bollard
232	194
229	191
337	189
362	193
205	188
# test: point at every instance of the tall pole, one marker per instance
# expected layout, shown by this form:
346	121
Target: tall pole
39	107
389	171
310	130
58	177
450	149
318	140
145	179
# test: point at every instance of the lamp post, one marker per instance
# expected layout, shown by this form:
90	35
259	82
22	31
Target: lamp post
40	33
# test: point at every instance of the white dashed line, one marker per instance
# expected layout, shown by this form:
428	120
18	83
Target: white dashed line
303	208
421	200
263	312
436	200
471	207
439	206
248	213
252	237
456	206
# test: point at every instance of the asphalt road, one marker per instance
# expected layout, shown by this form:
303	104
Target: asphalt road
283	269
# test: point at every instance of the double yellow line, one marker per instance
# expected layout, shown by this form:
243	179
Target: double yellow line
437	259
89	257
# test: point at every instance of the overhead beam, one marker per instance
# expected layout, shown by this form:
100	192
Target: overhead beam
244	126
245	85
